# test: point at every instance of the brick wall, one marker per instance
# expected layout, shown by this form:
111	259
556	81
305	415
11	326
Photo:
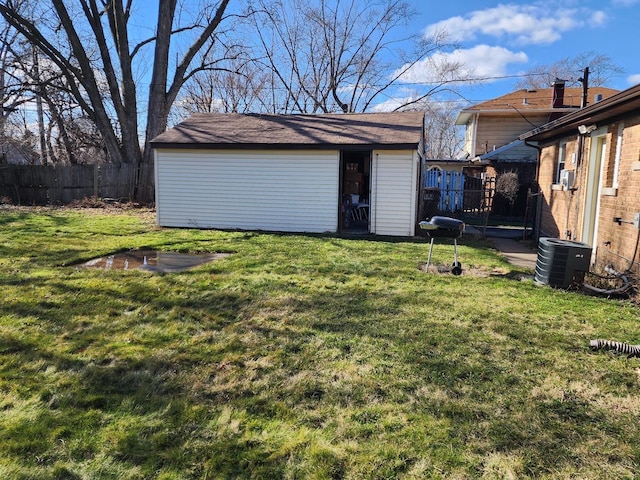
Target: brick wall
617	242
559	206
548	225
562	212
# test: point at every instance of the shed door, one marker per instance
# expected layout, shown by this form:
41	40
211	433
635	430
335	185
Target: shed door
286	191
355	190
393	192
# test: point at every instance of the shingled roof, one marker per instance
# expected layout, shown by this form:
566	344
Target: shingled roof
541	99
533	100
230	130
620	106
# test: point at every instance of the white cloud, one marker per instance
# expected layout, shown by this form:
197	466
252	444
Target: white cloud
624	3
524	24
598	18
486	61
477	63
633	79
392	104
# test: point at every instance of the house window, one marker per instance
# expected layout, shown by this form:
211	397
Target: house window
560	161
611	163
616	158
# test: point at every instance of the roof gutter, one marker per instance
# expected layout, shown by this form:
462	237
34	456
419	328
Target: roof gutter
474	134
283	146
465	115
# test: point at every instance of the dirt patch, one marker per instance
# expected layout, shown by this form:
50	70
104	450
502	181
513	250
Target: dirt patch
446	270
477	272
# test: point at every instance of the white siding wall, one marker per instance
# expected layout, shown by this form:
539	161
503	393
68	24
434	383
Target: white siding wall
497	131
287	191
393	191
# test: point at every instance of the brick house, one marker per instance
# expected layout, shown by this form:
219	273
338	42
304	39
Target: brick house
497	123
589	179
492	129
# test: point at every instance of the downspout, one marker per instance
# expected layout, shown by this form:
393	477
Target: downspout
416	192
474	135
156	174
537	194
419	190
374	216
579	162
580	152
422	158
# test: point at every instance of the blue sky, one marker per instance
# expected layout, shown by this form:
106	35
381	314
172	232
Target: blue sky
505	39
501	40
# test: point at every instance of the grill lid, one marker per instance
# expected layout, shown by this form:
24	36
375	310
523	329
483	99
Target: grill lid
443	227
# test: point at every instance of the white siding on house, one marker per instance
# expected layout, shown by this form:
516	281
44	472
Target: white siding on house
497	131
393	192
470	136
287	191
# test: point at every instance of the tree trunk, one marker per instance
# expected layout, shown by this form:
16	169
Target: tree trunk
41	131
113	90
161	93
157	113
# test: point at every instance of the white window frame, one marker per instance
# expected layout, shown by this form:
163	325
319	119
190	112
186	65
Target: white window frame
616	161
593	188
561	160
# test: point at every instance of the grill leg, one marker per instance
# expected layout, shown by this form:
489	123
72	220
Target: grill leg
456	269
455	251
429	259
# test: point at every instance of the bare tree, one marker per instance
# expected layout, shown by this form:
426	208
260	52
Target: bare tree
602	69
12	87
90	43
42	84
20	141
333	55
237	86
72	137
444	139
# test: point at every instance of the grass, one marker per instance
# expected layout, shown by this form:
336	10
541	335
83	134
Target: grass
298	357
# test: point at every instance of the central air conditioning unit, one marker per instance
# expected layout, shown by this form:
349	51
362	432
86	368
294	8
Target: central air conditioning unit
567	179
562	263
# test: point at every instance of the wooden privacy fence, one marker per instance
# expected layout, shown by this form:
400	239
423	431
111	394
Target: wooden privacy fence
450	185
45	184
452	191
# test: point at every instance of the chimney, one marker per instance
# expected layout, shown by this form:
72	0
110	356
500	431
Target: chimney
558	93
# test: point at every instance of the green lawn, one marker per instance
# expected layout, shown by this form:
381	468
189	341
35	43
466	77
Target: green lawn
299	357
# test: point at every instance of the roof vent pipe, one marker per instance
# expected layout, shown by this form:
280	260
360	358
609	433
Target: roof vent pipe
597	98
558	93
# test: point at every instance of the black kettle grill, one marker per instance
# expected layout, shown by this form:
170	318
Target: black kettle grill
444	227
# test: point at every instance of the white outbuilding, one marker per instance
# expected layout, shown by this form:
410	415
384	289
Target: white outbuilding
345	173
